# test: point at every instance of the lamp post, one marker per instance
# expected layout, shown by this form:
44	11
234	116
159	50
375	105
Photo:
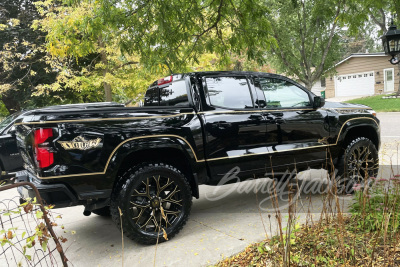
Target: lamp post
391	43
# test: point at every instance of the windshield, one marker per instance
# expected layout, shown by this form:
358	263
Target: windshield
8	120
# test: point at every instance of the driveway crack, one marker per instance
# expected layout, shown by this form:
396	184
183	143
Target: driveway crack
240	239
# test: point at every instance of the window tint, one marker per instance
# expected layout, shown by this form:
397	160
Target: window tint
151	97
230	92
283	94
174	94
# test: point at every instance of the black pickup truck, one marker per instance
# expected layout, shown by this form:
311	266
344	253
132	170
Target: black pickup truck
191	129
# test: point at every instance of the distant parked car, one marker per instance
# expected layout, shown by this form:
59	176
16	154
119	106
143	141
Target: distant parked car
10	158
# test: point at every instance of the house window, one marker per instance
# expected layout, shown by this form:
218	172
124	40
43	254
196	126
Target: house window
323	82
359	76
365	75
371	74
344	77
349	77
354	76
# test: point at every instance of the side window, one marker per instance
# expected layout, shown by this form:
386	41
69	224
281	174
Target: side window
174	94
283	94
151	97
229	92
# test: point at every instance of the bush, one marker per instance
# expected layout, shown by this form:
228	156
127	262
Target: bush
377	208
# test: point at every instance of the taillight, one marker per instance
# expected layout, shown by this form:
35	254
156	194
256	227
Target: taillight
165	80
43	155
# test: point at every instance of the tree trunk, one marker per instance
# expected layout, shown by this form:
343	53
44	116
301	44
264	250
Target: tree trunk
308	85
107	86
107	91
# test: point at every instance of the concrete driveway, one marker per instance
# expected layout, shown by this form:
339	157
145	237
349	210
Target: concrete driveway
218	226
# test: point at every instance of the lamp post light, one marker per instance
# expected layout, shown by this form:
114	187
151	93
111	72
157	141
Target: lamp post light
391	43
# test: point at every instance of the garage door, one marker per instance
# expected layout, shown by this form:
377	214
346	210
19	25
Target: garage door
355	84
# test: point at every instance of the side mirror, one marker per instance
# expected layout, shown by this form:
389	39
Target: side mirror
318	102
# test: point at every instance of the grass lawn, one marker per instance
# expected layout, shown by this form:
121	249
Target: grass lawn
378	104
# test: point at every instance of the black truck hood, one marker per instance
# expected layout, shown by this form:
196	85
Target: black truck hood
339	105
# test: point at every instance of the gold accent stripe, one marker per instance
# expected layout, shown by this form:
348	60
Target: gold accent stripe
121	144
194	153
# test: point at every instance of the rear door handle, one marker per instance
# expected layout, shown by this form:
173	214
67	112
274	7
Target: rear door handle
256	117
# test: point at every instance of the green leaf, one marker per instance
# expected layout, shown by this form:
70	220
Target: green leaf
39	214
44	245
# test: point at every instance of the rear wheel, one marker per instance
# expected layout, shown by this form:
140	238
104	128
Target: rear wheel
359	162
155	200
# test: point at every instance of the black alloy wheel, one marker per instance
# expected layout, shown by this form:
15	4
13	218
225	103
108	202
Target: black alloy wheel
155	200
359	162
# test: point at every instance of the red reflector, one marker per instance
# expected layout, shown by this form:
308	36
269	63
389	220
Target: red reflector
43	156
164	80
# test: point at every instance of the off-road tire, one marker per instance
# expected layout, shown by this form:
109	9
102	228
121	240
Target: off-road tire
346	176
105	211
129	191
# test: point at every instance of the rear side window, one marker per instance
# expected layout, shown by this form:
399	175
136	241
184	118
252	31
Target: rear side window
172	94
229	92
151	98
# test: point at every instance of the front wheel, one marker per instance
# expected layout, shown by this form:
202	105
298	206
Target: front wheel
359	162
155	201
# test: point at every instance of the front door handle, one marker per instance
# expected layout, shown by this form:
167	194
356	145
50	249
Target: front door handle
223	125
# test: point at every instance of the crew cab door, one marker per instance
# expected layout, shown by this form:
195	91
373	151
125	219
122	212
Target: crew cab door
295	130
233	127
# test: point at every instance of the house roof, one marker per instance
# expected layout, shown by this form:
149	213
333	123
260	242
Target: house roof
380	54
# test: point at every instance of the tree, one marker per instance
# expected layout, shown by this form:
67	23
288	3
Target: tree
25	65
161	35
21	54
307	34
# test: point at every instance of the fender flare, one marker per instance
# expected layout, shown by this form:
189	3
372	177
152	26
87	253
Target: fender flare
154	142
354	123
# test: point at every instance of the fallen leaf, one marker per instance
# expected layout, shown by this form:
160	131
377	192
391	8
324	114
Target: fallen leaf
165	234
